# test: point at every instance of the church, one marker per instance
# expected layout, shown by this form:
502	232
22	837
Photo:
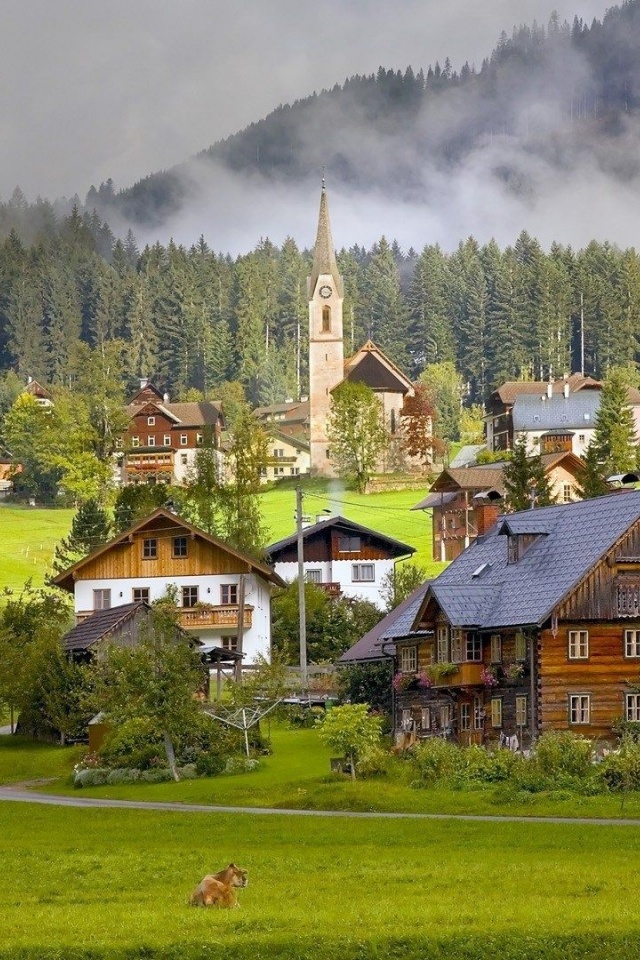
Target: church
327	365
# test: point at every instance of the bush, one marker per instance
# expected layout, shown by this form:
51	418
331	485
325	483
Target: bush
435	760
487	766
621	771
241	765
560	754
156	776
133	745
95	777
374	763
210	764
305	717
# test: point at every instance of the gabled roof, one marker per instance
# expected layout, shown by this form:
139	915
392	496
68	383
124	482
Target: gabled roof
395	547
276	433
290	412
395	626
370	366
100	624
573	538
203	413
575	412
508	391
67	577
36	389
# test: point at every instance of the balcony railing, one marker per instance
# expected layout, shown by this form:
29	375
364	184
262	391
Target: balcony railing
467	675
194	618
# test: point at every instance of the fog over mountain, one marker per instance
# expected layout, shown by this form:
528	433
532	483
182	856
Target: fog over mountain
121	91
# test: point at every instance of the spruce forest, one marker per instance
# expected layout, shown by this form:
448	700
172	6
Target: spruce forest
193	319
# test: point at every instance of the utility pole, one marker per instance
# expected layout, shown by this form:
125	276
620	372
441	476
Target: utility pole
301	597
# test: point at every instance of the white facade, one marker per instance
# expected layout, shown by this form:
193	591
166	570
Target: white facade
357	579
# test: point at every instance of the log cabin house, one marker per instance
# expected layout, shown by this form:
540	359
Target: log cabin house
534	627
223	596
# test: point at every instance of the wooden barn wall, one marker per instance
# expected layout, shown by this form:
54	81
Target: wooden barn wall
594	598
126	560
606	676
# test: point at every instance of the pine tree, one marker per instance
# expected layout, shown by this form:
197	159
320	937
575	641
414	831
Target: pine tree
615	445
525	481
90	529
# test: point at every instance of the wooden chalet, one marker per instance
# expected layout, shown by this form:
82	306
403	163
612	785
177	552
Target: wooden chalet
162	439
222	596
341	556
466	501
535	627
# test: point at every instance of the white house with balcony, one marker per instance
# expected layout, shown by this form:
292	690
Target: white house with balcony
221	595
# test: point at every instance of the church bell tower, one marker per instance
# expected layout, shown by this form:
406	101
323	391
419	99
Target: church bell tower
325	290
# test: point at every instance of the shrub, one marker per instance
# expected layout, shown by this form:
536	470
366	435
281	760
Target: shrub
241	765
560	754
188	772
95	777
210	764
487	766
374	763
304	717
122	776
133	745
435	760
621	771
158	775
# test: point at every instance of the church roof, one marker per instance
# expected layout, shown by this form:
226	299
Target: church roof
370	366
324	254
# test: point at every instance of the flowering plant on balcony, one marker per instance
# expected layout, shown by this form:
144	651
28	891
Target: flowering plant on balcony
514	671
438	671
488	677
423	681
402	681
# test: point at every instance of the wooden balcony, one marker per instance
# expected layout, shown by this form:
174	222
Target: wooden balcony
467	675
333	589
198	618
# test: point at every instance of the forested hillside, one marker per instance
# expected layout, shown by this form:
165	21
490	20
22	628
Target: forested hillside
550	94
191	318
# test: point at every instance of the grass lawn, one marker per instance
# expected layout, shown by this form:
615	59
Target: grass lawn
82	883
29	536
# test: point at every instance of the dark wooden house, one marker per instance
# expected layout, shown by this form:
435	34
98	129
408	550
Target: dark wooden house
535	627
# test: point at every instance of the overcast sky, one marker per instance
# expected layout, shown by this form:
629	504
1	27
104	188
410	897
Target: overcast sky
91	89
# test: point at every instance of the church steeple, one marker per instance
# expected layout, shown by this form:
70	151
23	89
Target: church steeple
324	254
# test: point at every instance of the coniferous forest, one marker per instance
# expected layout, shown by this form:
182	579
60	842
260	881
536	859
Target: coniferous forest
192	318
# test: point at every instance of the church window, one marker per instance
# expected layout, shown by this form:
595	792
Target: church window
326	319
393	421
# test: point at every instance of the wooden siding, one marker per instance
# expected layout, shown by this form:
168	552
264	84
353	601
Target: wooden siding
606	675
323	547
595	597
195	618
125	560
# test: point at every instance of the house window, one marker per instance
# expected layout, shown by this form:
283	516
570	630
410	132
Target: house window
101	599
189	596
465	716
151	421
496	648
425	719
456	645
199	438
393	423
407	720
149	548
443	644
496	712
184	460
445	716
229	643
521	711
581	438
184	439
278	471
141	594
179	546
628	598
326	319
632	707
278	453
578	644
473	647
166	440
135	441
478	713
151	441
313	576
632	643
349	544
521	646
363	572
579	708
228	594
567	493
409	659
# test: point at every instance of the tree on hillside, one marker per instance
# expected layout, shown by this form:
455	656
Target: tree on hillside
525	481
400	582
241	522
90	529
591	477
418	418
156	681
445	386
136	501
356	432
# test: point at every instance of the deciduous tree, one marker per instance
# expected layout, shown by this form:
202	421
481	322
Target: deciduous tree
356	432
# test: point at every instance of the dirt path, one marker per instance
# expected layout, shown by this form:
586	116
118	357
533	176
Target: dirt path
18	792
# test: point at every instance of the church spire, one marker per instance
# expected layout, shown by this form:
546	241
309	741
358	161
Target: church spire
324	254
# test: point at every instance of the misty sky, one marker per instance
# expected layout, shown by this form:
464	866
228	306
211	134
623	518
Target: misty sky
92	89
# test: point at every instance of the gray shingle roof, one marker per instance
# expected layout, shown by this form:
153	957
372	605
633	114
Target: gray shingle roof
575	412
99	625
577	535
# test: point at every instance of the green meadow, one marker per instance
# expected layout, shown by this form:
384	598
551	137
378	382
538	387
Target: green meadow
28	535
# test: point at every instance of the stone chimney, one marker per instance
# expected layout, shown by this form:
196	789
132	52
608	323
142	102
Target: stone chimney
487	507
